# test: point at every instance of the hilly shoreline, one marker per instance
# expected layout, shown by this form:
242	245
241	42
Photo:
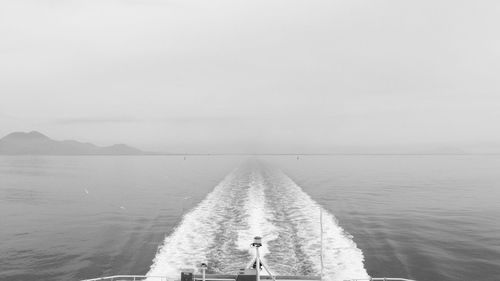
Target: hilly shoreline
36	143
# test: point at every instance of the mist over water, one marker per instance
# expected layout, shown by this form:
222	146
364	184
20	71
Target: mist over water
421	217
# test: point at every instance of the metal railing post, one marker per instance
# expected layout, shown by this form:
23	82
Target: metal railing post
203	269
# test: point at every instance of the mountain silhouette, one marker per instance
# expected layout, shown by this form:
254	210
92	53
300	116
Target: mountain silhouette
37	143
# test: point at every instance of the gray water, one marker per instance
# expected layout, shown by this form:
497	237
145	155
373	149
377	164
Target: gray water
422	217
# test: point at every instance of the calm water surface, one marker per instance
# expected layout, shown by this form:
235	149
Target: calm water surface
75	217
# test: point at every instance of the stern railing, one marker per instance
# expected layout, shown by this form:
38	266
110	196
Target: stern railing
223	278
381	279
130	278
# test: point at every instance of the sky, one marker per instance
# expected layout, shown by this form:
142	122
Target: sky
252	76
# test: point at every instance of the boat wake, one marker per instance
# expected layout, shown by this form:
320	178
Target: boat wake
257	200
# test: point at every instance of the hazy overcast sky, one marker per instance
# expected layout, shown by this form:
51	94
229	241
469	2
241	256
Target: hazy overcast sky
251	75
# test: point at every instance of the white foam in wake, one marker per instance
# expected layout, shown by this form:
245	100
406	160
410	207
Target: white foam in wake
257	220
341	258
188	245
255	200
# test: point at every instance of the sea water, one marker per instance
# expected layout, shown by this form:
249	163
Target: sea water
427	217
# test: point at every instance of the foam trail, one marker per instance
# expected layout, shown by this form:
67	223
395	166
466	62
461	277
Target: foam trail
190	242
299	216
258	218
257	200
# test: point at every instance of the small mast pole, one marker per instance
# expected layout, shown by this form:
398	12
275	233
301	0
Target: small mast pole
257	242
203	269
321	239
257	261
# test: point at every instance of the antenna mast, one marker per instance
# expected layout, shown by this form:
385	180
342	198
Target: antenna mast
321	239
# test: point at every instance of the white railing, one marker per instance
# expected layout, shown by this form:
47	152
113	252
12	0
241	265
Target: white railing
164	278
130	278
149	278
381	279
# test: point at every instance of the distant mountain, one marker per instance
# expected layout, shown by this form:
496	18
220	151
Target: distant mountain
36	143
